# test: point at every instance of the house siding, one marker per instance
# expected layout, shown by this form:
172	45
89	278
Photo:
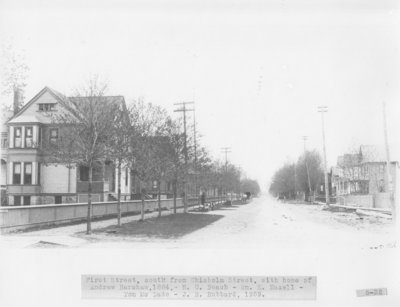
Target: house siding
58	179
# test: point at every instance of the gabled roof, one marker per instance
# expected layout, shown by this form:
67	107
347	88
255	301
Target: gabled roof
108	99
372	153
26	119
54	93
62	99
348	160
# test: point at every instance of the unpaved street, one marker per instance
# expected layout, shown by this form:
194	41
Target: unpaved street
262	223
263	237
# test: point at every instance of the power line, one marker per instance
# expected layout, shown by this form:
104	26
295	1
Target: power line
389	184
183	109
195	150
226	150
306	161
322	110
304	137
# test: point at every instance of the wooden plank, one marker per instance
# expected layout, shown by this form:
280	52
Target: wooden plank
382	210
372	213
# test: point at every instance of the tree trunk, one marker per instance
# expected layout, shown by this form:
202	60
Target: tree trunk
184	197
119	193
142	199
175	188
159	198
89	209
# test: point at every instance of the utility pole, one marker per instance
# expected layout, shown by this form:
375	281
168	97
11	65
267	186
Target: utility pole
306	160
195	151
226	150
322	110
183	109
295	181
389	184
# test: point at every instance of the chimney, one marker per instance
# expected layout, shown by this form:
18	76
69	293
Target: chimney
16	100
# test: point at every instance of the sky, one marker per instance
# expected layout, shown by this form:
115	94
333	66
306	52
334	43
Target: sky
257	70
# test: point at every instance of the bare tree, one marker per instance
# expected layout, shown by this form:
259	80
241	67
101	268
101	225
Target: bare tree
147	122
176	154
120	149
14	74
283	181
250	185
86	132
309	173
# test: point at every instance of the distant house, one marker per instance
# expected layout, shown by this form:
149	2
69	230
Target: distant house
29	180
363	172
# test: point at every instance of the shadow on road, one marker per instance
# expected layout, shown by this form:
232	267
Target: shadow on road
169	226
232	207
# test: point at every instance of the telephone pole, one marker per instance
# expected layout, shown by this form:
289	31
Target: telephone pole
183	109
389	183
322	110
306	161
226	150
195	150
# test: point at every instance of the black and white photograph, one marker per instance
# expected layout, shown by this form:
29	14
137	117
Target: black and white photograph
214	153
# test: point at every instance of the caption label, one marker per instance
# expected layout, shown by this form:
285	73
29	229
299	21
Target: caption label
199	287
371	292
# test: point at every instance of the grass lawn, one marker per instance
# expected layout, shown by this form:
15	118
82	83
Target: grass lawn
168	226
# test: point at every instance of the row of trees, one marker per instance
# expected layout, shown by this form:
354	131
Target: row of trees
95	129
305	176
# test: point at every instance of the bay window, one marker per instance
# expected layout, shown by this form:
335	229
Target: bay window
28	137
17	173
27	173
18	137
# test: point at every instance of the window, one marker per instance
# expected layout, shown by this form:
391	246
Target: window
17	173
154	184
28	137
40	136
84	173
28	173
45	107
126	176
18	137
381	168
4	140
381	187
58	199
27	200
17	200
53	135
38	173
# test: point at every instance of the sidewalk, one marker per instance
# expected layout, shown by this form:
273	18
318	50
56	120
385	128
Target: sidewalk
64	236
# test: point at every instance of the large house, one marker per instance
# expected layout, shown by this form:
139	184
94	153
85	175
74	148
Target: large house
363	173
31	181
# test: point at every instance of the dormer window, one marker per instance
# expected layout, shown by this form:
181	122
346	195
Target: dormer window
46	107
